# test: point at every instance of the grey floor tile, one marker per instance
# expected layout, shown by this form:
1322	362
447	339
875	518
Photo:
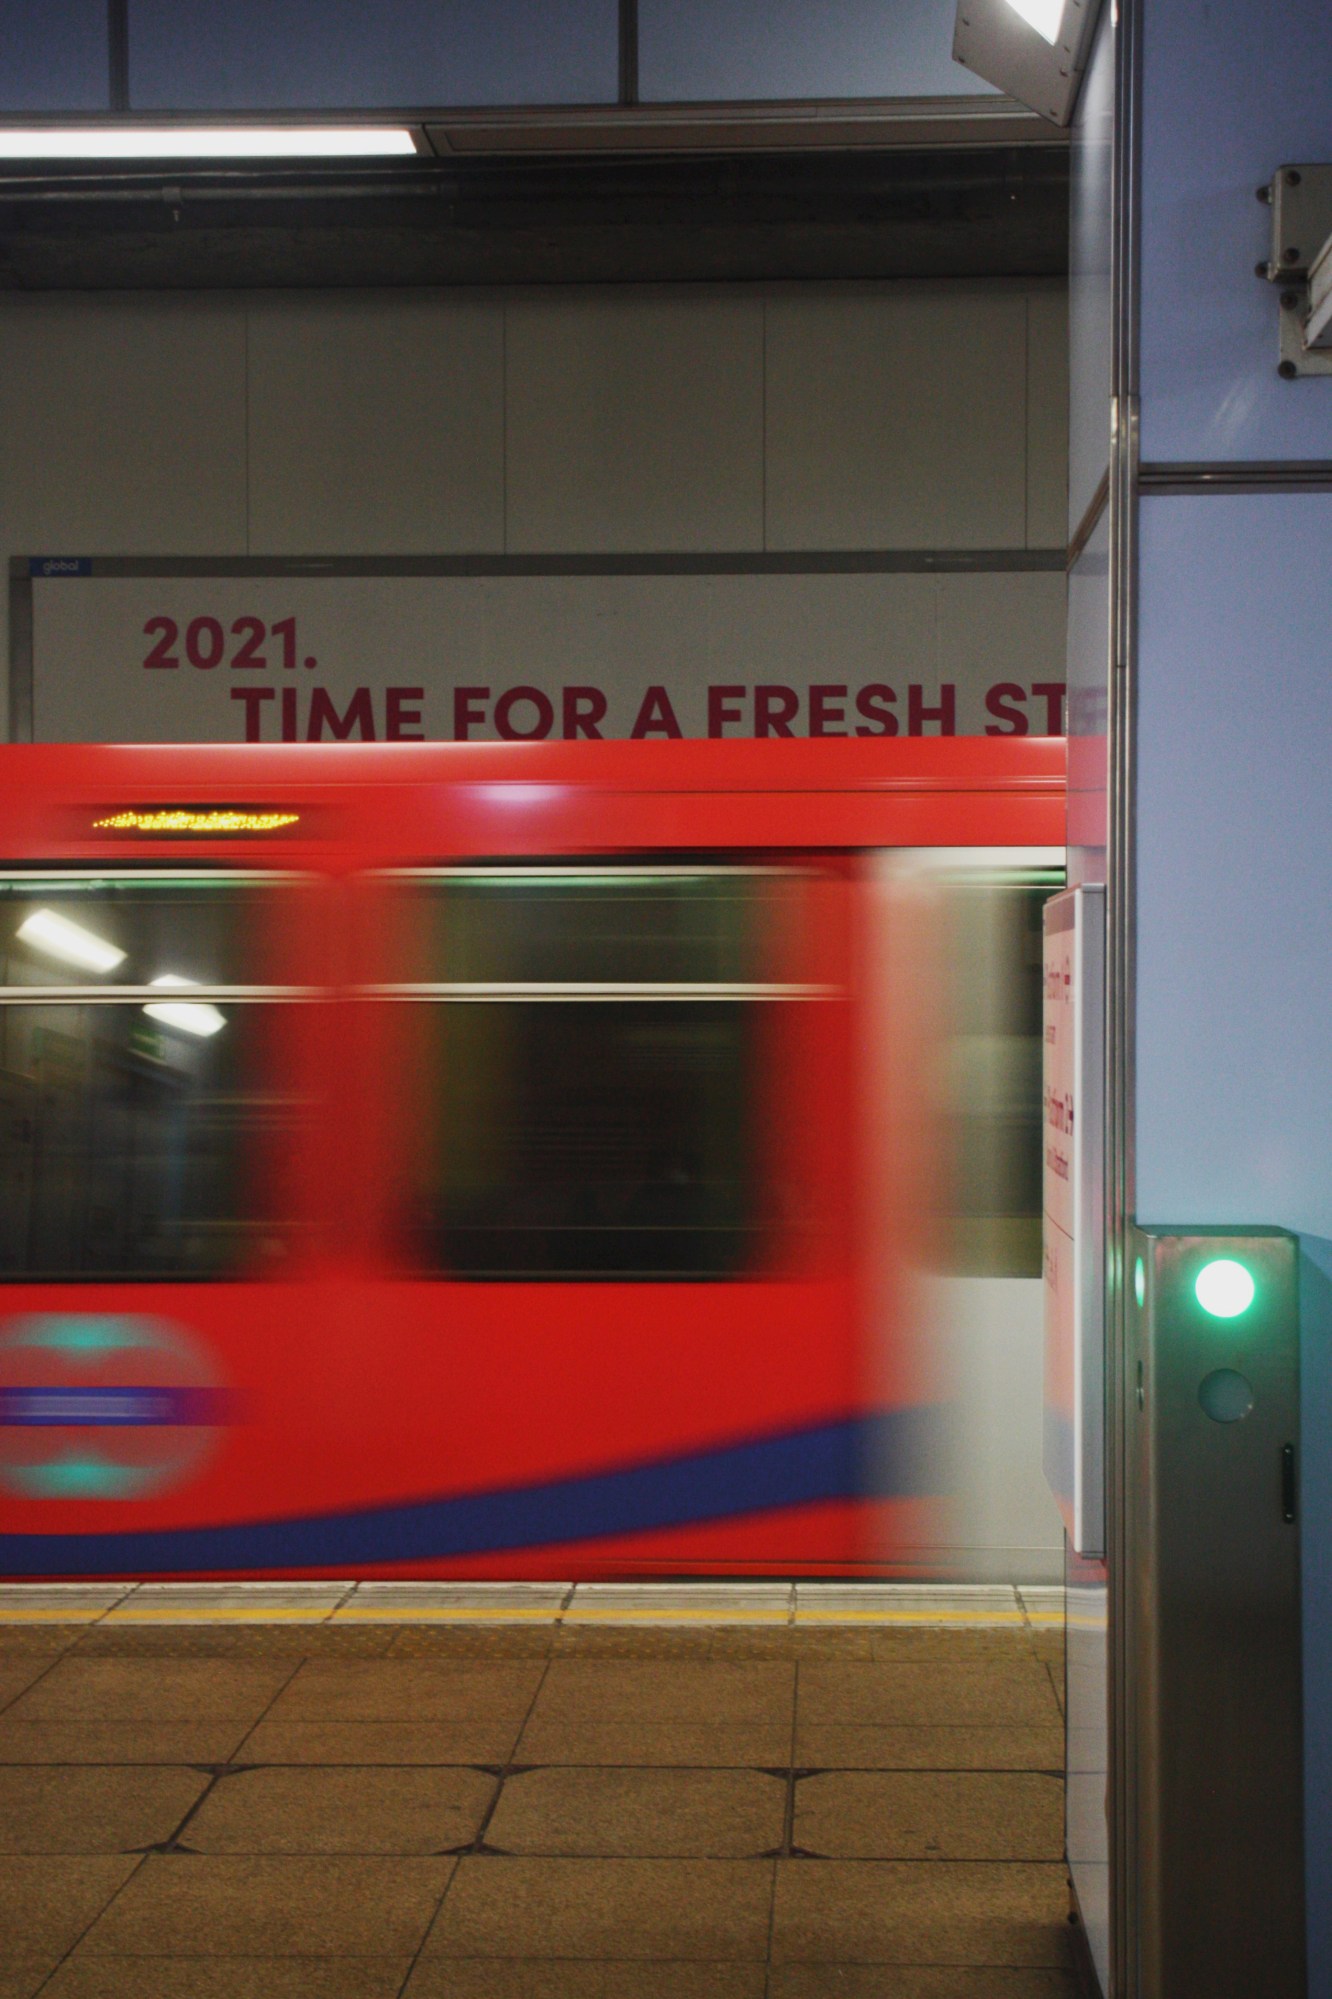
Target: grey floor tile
536	1640
654	1909
151	1689
710	1691
83	1977
365	1742
576	1978
705	1814
18	1674
921	1912
928	1693
882	1981
335	1810
848	1746
20	1977
292	1642
119	1741
930	1815
46	1903
738	1745
219	1905
93	1810
409	1690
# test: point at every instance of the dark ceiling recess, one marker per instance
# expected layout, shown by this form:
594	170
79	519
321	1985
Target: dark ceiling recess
980	212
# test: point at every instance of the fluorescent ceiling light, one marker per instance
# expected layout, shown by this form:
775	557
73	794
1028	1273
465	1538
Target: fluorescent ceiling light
1042	15
56	937
201	142
188	1016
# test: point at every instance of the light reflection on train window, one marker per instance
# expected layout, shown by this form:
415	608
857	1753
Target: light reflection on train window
91	930
137	1138
608	1128
990	1086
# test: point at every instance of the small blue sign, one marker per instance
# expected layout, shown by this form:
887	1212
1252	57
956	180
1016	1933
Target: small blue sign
60	565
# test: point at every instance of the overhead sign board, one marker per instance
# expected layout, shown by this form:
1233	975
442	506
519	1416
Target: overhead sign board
118	653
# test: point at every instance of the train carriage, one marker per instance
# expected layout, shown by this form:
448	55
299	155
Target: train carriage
584	1160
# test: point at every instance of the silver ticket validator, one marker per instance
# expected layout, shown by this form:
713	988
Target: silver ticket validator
1212	1592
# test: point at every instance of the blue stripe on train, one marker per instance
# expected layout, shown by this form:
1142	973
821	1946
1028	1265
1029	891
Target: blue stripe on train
892	1455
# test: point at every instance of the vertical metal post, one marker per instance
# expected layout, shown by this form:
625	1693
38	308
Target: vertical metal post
628	51
117	53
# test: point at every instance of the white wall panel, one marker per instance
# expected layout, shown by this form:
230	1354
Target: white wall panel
123	425
896	418
376	424
1004	628
1047	418
635	421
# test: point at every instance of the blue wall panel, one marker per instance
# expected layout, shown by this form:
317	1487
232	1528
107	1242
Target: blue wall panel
740	49
1230	93
53	56
260	55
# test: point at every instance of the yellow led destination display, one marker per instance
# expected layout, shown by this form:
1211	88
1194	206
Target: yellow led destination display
195	820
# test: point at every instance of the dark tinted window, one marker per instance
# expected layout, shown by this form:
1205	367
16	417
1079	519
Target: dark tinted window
138	1138
575	1139
53	56
592	1104
131	1149
579	927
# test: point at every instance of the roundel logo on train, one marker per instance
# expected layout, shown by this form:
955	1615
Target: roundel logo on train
104	1406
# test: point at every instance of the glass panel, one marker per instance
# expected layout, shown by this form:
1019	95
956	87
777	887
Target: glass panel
596	1140
265	55
136	1147
71	930
616	928
53	56
692	50
991	1087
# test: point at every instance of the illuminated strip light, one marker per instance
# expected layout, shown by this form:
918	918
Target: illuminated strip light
1042	15
183	819
188	1016
56	937
203	142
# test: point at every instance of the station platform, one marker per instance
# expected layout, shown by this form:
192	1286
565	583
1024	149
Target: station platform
270	1791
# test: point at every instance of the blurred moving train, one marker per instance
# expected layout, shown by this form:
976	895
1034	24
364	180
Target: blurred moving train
524	1160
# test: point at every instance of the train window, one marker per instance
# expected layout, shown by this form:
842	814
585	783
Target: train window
592	1062
136	930
136	1132
535	927
992	1074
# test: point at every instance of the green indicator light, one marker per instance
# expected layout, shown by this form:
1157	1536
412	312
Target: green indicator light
1139	1282
1224	1288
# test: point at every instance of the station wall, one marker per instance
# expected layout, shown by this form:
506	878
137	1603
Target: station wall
774	421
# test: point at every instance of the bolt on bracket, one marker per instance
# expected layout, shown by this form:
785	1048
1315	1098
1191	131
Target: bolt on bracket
1300	263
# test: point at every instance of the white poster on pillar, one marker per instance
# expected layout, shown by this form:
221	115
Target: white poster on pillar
269	657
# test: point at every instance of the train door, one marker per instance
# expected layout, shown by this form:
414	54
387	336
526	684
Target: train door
957	965
622	1182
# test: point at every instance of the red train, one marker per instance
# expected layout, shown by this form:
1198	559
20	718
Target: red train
539	1160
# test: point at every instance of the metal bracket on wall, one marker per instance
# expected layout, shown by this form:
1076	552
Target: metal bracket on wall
1300	263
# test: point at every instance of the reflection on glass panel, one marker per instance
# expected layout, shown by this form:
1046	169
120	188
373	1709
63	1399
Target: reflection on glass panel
133	1146
990	1086
558	926
262	55
570	1139
53	56
691	50
70	930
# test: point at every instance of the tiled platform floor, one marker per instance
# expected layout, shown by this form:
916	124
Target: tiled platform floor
524	1802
